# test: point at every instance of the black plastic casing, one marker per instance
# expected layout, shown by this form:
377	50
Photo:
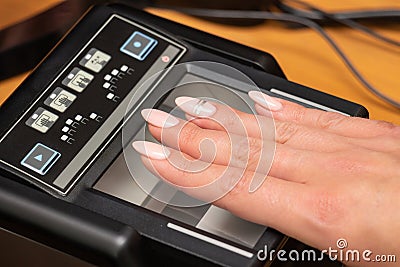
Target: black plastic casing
107	231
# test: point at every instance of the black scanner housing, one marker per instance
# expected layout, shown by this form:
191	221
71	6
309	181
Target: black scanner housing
102	229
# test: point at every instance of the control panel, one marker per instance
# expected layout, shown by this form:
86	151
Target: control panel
61	133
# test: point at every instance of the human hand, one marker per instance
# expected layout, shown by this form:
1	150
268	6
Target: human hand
331	176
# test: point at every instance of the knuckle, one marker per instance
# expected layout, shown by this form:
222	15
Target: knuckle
241	154
248	153
188	135
285	131
298	114
255	153
327	120
327	208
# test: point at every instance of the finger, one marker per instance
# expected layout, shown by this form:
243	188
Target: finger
219	147
293	134
216	116
328	121
308	138
226	149
283	205
296	135
299	136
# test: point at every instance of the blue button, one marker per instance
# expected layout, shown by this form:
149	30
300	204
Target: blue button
138	45
40	159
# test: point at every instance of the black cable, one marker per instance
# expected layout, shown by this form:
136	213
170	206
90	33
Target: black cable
291	18
348	22
378	14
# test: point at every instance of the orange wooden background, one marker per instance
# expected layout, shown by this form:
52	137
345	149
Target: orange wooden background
303	55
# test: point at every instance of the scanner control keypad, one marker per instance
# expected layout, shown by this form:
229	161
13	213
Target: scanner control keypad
85	102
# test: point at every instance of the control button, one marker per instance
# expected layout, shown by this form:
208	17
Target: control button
40	158
138	45
115	72
93	116
106	85
110	96
42	120
60	99
78	80
95	60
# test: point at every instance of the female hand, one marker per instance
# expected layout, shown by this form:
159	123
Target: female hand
332	176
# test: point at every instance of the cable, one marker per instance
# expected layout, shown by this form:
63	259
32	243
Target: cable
382	14
348	22
236	14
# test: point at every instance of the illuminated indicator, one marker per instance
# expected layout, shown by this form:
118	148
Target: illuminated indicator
165	59
138	45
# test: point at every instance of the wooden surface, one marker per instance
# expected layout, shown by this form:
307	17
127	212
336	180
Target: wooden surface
303	55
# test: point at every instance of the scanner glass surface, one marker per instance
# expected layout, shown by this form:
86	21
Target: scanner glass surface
118	182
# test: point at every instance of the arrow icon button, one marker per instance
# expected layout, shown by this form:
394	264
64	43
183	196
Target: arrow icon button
40	158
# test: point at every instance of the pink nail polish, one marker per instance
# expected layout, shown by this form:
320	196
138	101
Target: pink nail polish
265	101
159	118
151	150
195	107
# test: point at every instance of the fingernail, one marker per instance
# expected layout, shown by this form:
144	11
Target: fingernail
265	101
151	150
159	118
195	107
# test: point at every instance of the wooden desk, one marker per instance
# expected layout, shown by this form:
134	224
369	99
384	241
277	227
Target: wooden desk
303	55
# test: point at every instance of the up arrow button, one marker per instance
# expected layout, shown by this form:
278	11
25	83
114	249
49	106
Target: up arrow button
39	157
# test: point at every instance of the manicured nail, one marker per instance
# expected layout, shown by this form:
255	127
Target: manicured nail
195	107
151	150
265	101
159	118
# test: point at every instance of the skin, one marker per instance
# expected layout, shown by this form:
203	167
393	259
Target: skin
331	177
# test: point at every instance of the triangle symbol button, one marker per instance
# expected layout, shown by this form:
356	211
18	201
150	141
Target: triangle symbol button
39	157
